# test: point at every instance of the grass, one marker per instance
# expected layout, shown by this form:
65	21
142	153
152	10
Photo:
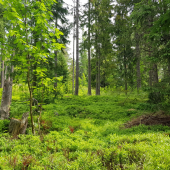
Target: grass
87	133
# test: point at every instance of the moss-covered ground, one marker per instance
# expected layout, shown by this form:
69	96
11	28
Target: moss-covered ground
88	133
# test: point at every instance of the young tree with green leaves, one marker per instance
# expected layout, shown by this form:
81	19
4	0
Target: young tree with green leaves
19	13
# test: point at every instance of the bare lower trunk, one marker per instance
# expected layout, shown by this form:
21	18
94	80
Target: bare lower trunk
6	99
77	49
89	73
155	74
150	78
98	73
125	74
169	71
73	63
138	61
97	78
89	64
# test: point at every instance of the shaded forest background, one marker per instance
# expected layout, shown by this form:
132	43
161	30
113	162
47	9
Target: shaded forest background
124	47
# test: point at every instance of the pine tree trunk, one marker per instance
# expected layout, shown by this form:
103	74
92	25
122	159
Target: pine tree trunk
89	58
73	66
168	70
150	78
138	61
73	47
77	49
155	74
125	74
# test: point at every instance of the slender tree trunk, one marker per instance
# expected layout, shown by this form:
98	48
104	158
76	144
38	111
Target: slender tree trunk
89	58
138	61
169	70
34	83
98	91
28	77
73	66
55	60
73	47
97	77
77	49
97	70
155	74
125	74
2	73
150	77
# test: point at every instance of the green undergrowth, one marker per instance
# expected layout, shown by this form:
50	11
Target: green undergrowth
87	133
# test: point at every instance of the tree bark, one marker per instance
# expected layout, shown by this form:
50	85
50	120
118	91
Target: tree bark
6	99
34	83
97	71
89	58
73	48
169	70
17	126
55	60
155	74
2	73
77	49
138	61
125	73
150	78
2	70
55	84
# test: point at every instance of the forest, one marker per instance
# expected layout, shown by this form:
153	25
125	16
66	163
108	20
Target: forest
105	105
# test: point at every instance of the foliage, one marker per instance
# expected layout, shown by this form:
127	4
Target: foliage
4	124
86	132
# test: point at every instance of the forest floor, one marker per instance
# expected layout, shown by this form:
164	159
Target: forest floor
155	118
107	132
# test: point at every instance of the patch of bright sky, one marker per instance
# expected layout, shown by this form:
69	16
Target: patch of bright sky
70	17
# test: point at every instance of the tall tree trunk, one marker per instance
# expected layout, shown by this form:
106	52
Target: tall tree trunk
77	48
89	58
155	74
98	91
73	67
97	70
2	73
55	60
73	47
169	70
150	77
34	83
125	74
138	61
